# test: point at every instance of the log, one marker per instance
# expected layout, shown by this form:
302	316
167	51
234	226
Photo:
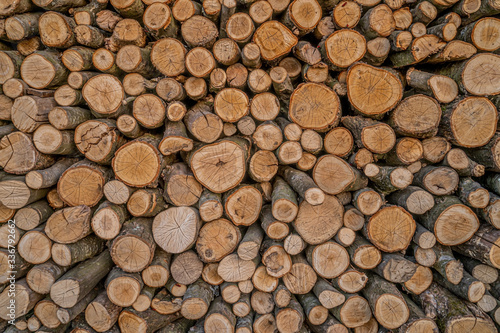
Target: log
74	285
218	239
388	305
448	213
101	314
440	304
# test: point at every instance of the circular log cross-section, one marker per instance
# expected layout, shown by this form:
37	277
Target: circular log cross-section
199	31
372	91
314	106
334	175
417	116
219	166
317	224
391	229
274	40
200	62
480	75
133	249
73	191
452	222
168	56
39	71
471	123
243	205
305	14
216	240
343	48
329	259
231	104
137	163
104	94
18	154
56	30
176	229
149	110
97	140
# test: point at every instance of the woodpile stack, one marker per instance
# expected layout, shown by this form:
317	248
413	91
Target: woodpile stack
249	166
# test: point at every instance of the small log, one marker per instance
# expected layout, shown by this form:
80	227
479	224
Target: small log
117	192
448	213
69	254
73	286
41	277
446	264
389	307
197	300
351	281
395	268
363	254
354	312
191	268
219	317
420	281
217	239
131	321
101	314
388	179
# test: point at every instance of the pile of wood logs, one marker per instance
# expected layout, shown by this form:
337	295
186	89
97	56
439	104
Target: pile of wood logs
325	166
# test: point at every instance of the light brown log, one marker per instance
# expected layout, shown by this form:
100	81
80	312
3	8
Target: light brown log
420	281
354	312
197	300
395	222
216	240
389	307
329	259
15	194
375	136
367	201
101	314
69	254
73	192
148	160
176	229
117	192
351	281
73	286
203	124
186	267
363	254
280	44
76	219
407	119
388	179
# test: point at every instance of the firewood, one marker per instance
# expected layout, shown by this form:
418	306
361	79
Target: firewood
219	317
101	314
41	277
377	137
148	321
382	296
47	311
162	303
363	254
354	312
322	259
80	280
237	154
420	281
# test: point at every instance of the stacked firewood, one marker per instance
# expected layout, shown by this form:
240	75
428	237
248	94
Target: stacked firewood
249	166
